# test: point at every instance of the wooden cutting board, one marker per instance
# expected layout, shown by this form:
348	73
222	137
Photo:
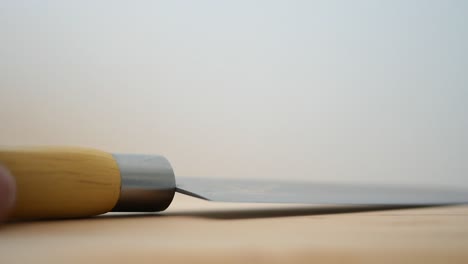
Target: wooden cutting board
197	231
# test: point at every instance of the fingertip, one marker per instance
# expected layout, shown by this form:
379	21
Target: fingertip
7	192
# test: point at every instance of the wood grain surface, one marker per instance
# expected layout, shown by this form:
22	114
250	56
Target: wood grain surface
197	231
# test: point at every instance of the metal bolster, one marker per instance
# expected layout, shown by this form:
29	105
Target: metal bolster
147	183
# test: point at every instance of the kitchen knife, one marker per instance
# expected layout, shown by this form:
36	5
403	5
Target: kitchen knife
64	182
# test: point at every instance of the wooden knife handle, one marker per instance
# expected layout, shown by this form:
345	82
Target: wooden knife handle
65	182
58	182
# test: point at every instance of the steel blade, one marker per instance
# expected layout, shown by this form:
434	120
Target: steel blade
258	191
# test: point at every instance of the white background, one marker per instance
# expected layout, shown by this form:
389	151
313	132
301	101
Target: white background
318	90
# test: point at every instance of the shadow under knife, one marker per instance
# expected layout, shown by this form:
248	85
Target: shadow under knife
234	214
238	214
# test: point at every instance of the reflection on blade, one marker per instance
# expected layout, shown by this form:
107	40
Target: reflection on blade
257	191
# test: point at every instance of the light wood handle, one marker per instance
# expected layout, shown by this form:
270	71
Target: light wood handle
62	182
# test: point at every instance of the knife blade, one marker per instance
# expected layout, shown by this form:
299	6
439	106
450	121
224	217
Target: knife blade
271	191
65	182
